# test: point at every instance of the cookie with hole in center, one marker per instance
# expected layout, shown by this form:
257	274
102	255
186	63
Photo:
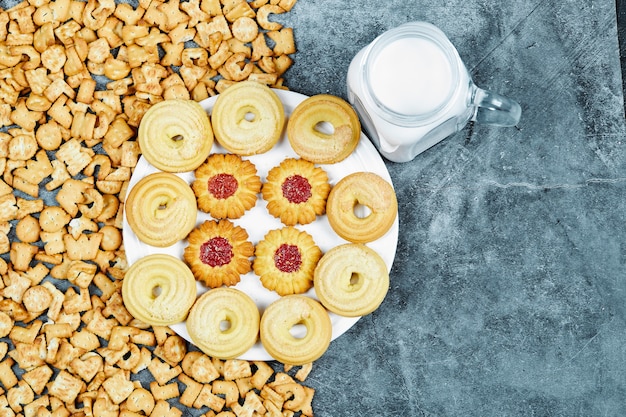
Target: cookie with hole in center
248	118
311	141
159	290
351	280
175	135
224	323
161	209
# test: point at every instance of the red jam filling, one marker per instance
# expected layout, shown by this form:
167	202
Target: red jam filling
296	189
216	251
222	186
287	258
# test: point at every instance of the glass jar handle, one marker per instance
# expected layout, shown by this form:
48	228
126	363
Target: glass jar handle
495	109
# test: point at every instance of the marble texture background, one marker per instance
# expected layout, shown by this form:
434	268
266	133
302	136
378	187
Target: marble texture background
508	289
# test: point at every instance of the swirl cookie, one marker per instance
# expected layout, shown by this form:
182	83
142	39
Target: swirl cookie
226	186
351	280
175	135
285	260
248	118
280	318
161	209
218	253
311	142
361	189
159	290
224	323
296	191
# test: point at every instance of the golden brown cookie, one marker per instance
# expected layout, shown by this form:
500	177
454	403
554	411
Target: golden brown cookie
161	209
224	323
226	186
296	191
285	260
175	135
218	253
281	318
159	290
315	144
362	189
351	280
248	118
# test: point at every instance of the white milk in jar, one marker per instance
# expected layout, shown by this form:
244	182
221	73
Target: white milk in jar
411	76
411	90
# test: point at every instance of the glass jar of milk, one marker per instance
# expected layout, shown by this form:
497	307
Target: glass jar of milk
411	90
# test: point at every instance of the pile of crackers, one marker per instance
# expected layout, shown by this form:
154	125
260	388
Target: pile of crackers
76	78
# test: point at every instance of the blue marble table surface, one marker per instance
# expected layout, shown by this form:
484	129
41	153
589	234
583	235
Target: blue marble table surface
508	290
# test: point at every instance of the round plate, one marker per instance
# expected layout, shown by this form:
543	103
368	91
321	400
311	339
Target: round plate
257	221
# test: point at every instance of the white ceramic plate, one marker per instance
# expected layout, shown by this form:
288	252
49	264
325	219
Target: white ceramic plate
258	221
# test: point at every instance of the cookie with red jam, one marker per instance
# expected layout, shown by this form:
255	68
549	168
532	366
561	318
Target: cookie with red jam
285	260
218	253
296	191
226	186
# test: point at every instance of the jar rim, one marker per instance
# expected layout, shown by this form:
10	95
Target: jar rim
417	30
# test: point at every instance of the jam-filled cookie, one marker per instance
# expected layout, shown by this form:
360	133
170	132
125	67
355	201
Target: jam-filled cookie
296	191
226	186
218	253
285	260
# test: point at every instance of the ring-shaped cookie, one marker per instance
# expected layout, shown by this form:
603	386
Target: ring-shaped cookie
159	290
361	189
351	280
161	209
283	317
224	323
248	118
175	135
311	142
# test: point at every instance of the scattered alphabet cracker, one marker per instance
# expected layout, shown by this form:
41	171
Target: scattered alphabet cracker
76	78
